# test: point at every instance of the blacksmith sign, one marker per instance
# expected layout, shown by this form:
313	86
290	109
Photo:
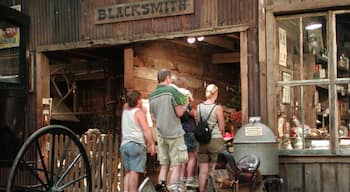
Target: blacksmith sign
143	10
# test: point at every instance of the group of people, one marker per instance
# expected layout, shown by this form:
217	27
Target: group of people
175	120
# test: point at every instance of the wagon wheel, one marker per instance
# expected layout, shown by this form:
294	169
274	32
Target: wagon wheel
52	159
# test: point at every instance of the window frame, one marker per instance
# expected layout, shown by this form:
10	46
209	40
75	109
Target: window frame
331	81
21	20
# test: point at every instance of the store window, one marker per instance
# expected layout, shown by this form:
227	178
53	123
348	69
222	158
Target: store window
9	52
343	78
307	76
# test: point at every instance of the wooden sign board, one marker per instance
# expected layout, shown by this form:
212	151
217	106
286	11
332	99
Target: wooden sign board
143	10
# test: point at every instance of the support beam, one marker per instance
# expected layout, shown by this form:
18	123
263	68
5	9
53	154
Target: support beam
262	61
219	58
234	36
129	73
183	42
220	42
244	77
42	84
141	38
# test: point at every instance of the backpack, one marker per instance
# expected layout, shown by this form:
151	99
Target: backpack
202	132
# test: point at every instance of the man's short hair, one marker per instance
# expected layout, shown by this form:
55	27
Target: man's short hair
163	74
132	97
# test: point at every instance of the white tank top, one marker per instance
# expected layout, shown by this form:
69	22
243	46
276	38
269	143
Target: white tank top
131	130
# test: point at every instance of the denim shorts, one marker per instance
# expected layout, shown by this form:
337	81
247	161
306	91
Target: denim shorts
191	142
134	157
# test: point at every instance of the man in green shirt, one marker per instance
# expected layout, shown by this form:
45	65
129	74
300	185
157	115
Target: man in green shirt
166	108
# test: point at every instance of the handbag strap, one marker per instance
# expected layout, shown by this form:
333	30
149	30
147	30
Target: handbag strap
200	116
211	111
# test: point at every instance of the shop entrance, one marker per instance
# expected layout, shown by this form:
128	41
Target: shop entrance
88	86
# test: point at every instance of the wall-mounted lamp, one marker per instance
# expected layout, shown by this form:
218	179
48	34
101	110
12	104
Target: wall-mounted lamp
313	26
191	40
200	38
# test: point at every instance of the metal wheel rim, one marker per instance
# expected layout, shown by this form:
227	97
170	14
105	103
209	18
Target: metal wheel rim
54	181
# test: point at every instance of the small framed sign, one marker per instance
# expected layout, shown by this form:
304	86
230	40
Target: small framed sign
286	89
282	40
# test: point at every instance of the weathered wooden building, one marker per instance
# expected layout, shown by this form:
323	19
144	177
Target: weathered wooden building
305	47
86	54
70	38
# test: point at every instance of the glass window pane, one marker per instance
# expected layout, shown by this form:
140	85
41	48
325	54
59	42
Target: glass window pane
343	91
303	123
343	44
303	119
302	47
9	52
288	42
315	57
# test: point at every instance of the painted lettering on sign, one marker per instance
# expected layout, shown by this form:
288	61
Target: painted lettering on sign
143	10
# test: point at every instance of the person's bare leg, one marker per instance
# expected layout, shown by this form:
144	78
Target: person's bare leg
163	173
212	166
183	171
203	174
133	181
175	174
126	181
192	163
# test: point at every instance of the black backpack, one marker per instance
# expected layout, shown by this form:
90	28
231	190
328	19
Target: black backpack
202	132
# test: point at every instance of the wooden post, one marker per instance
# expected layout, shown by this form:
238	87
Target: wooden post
333	131
244	76
42	85
270	70
262	60
129	74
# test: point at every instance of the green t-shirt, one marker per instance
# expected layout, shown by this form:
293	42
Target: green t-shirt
163	101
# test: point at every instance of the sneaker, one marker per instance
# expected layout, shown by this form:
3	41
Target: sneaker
177	187
172	187
183	180
161	187
181	186
192	182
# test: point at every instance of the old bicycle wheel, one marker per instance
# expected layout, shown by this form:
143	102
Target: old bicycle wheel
52	159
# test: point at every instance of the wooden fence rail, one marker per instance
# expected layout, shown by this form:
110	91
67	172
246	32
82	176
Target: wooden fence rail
103	153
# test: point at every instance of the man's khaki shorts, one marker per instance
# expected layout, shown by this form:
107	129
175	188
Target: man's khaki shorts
171	151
